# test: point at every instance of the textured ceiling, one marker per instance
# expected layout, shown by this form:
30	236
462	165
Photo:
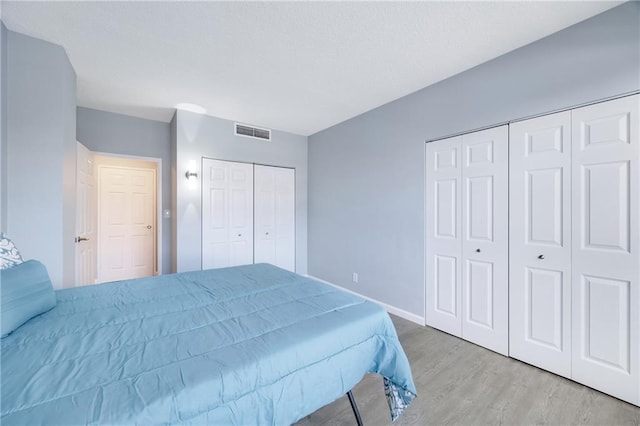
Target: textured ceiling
294	66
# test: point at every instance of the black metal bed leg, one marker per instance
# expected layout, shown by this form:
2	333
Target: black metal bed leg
356	413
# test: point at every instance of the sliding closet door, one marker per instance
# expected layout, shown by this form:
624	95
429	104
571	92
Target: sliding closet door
443	248
485	238
606	247
227	213
540	242
275	216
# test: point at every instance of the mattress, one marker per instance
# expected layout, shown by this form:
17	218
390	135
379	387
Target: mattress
245	345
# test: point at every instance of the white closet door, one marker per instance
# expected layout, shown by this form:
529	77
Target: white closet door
275	216
606	249
485	238
227	213
443	251
540	242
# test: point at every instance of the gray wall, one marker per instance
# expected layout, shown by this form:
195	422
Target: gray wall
40	153
198	136
106	132
366	175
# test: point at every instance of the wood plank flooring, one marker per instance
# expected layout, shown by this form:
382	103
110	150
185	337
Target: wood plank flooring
460	383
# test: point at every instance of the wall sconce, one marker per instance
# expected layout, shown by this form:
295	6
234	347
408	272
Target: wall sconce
192	175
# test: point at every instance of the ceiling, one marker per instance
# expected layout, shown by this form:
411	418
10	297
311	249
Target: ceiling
294	66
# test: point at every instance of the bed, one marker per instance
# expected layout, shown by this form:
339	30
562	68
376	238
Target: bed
245	345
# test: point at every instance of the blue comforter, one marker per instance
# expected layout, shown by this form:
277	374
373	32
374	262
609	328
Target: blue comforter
245	345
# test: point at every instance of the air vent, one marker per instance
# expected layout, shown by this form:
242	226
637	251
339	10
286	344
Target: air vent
253	132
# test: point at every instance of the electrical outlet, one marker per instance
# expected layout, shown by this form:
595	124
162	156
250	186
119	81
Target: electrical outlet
355	277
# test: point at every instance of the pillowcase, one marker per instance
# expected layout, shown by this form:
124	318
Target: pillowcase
26	291
9	254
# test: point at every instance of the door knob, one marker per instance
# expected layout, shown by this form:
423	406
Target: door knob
79	239
266	233
148	226
477	250
541	256
239	235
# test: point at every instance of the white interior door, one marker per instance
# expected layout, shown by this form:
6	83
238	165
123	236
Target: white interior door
540	242
127	217
485	248
85	217
227	213
606	247
275	216
443	251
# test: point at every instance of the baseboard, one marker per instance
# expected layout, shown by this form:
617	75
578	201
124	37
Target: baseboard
391	309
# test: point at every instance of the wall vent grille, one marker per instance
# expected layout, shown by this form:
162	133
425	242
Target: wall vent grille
253	132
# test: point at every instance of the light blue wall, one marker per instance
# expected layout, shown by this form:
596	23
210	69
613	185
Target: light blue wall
198	136
173	147
3	126
366	175
40	153
106	132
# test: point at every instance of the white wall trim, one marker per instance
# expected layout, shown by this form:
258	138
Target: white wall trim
391	309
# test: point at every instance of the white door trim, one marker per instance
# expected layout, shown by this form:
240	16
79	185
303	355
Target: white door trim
529	117
159	204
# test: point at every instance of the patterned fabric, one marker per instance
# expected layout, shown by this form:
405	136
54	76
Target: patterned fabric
397	398
9	254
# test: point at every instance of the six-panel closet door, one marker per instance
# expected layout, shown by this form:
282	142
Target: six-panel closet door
275	216
540	242
575	245
606	247
444	239
467	239
485	238
227	213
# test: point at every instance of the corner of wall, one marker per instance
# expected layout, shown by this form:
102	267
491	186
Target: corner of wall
69	170
188	222
3	127
40	133
173	156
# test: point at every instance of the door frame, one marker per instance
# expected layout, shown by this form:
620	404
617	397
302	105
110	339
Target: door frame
158	161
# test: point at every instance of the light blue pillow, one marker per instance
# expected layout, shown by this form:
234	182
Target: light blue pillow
26	291
9	254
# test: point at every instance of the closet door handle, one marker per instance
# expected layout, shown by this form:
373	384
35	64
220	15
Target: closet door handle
239	235
477	250
541	257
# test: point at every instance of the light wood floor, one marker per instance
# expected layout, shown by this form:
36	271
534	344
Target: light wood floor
463	384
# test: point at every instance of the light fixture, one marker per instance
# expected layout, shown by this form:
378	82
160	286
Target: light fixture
192	175
191	171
